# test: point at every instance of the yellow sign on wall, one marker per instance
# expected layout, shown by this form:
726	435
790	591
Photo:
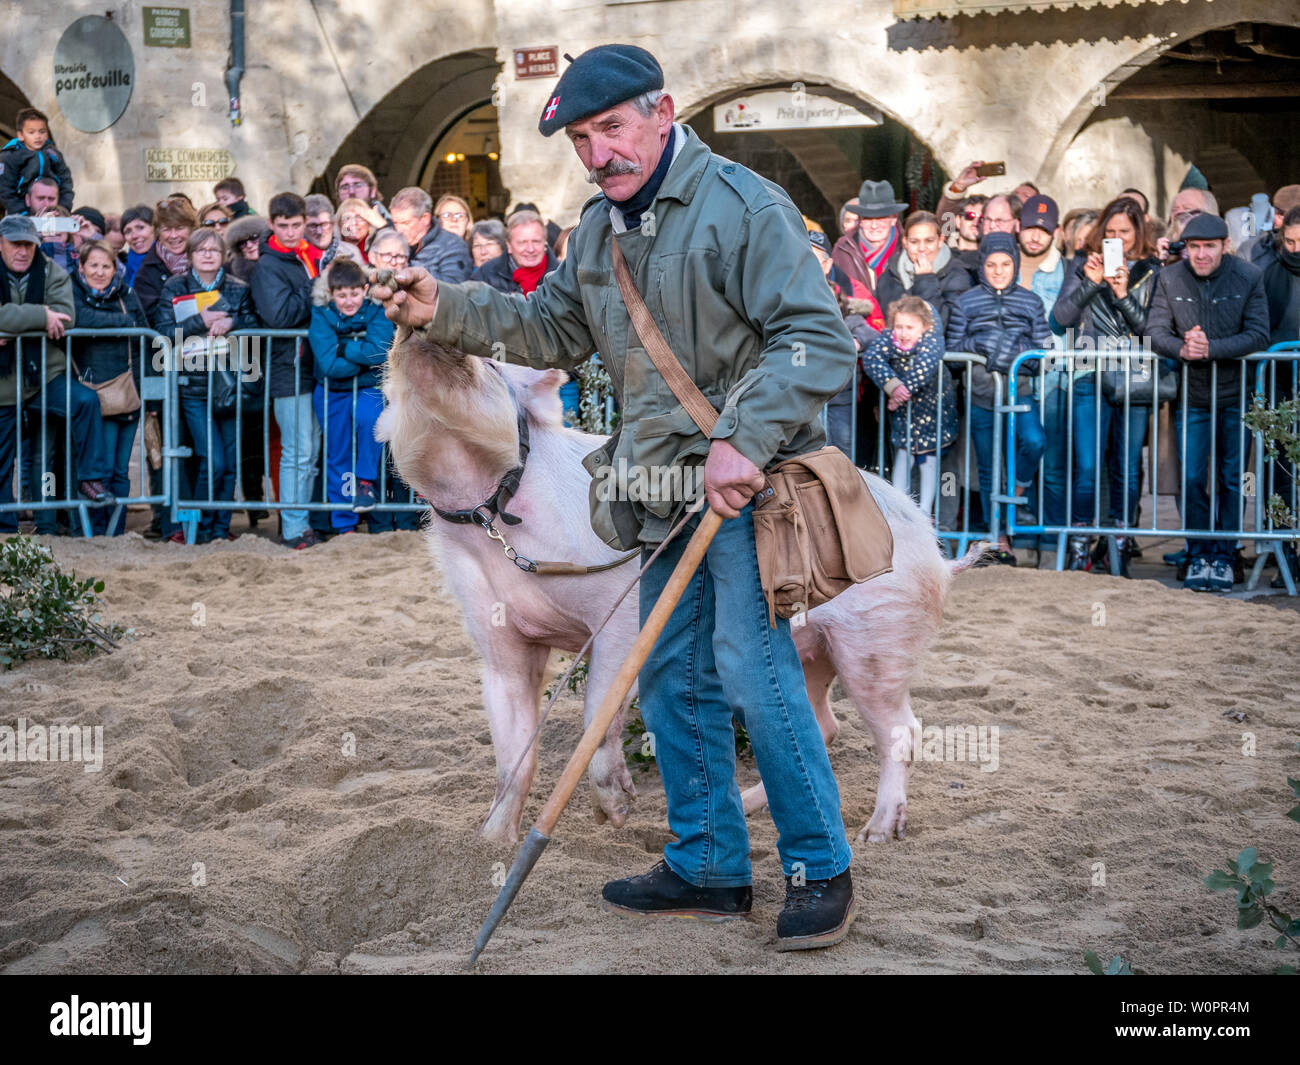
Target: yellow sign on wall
188	164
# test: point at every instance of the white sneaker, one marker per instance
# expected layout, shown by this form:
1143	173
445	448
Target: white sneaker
1198	575
1220	577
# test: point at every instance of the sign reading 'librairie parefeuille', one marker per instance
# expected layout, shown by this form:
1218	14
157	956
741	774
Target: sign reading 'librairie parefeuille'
93	71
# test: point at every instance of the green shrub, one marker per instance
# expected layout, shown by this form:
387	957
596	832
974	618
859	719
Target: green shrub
46	613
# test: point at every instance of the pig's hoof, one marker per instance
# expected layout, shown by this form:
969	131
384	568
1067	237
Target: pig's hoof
612	803
886	824
500	832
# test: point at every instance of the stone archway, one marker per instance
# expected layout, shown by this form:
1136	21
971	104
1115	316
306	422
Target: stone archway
396	137
1142	124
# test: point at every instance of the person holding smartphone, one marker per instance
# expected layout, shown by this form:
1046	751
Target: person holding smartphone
1109	308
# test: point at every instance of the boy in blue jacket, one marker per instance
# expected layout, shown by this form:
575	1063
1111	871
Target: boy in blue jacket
349	337
31	155
998	319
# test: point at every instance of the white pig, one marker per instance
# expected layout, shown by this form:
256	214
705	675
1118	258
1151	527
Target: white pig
451	422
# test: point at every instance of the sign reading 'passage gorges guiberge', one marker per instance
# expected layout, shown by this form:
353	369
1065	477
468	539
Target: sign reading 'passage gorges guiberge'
93	71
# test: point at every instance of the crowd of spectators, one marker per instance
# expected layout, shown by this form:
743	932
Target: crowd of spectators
991	276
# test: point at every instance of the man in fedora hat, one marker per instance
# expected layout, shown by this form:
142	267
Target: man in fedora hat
722	257
872	246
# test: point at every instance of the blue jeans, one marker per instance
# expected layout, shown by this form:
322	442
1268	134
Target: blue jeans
338	431
717	659
1056	446
119	438
1226	427
299	449
216	460
1029	449
64	399
1087	460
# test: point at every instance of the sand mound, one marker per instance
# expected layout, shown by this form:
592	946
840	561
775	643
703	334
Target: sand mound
296	760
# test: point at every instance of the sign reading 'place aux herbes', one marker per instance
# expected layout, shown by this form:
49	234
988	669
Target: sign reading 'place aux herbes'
188	164
537	62
167	27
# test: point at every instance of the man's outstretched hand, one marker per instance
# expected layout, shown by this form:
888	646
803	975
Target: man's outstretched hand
409	296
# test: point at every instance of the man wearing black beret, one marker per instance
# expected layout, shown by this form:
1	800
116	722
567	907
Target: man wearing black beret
1209	310
722	259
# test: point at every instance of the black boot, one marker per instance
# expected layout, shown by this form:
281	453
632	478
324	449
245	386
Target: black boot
662	893
817	913
1077	559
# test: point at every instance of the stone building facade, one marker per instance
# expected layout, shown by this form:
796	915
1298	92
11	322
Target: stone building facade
382	82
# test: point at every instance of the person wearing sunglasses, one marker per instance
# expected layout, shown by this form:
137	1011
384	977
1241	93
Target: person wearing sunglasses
215	216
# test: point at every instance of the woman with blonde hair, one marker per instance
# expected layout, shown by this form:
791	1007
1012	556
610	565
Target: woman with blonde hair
357	223
454	215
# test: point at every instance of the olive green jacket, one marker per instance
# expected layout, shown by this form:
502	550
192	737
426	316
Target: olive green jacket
723	261
19	317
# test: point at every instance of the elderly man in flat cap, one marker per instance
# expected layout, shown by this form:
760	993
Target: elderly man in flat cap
723	261
36	297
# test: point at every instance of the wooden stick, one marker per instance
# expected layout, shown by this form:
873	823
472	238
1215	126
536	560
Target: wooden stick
594	736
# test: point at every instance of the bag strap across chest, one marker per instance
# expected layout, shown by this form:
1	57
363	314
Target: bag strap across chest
686	390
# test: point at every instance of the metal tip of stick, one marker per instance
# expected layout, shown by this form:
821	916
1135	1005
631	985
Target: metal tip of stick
534	844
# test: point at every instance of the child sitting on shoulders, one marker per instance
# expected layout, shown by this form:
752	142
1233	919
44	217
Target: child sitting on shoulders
906	361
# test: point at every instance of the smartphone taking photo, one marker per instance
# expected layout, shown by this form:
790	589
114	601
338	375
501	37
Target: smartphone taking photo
1112	256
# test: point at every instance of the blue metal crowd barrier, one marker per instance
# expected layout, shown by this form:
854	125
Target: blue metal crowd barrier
1268	538
66	495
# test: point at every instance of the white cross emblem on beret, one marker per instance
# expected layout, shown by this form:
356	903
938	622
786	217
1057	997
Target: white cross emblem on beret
551	107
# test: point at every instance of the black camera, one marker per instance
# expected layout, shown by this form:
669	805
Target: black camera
1176	248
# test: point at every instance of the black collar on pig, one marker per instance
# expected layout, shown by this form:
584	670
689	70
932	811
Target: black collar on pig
492	507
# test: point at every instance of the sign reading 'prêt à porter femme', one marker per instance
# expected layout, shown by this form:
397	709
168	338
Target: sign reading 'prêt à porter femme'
188	164
167	27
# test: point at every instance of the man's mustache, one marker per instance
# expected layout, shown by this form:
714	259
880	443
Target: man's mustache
613	168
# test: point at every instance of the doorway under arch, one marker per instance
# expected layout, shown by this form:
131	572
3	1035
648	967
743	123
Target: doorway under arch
821	165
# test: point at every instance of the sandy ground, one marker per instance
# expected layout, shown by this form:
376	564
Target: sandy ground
224	746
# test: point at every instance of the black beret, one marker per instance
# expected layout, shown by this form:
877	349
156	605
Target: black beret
597	80
1205	227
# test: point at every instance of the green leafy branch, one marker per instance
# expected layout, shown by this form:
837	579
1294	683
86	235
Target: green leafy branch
46	613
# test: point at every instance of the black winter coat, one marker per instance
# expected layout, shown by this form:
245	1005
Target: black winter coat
281	293
499	272
444	255
939	289
1230	307
233	300
150	278
21	166
100	359
1093	305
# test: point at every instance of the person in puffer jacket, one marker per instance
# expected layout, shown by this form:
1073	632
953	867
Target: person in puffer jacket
350	337
998	319
31	155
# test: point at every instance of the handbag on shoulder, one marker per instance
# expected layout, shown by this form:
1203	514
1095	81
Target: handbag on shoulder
817	529
117	395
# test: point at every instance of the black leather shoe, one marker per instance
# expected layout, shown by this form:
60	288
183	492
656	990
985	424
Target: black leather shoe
96	492
662	893
817	913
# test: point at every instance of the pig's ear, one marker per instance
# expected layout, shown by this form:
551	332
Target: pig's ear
543	397
384	426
